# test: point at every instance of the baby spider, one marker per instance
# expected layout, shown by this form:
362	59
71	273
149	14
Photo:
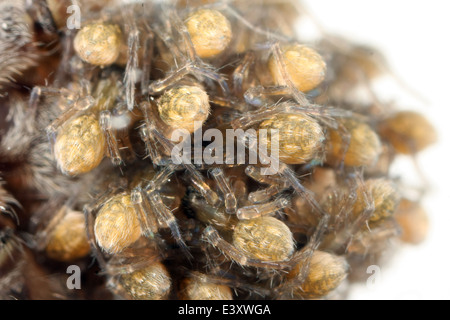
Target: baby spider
220	284
370	243
98	43
300	137
197	44
180	106
385	197
158	146
313	273
294	69
354	144
326	272
61	231
179	112
90	127
252	20
124	39
210	32
408	132
296	144
137	273
118	220
359	206
203	287
264	242
258	239
267	243
22	276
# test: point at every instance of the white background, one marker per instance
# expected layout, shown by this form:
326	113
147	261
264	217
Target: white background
414	36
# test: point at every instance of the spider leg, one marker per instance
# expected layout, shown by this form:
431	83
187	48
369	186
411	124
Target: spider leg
212	236
109	132
166	217
258	210
225	188
131	69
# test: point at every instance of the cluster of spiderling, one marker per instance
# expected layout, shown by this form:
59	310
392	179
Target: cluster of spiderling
86	154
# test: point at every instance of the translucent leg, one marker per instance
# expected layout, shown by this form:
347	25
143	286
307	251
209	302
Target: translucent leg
108	131
74	107
225	188
156	149
265	194
212	236
304	257
240	74
286	172
148	49
258	210
166	218
43	235
146	217
256	175
131	68
225	6
200	184
160	178
188	69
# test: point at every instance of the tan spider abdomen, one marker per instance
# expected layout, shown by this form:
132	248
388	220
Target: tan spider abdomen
98	43
196	289
69	241
326	272
409	132
304	66
117	225
384	195
80	145
179	107
264	238
300	137
150	283
210	32
362	149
